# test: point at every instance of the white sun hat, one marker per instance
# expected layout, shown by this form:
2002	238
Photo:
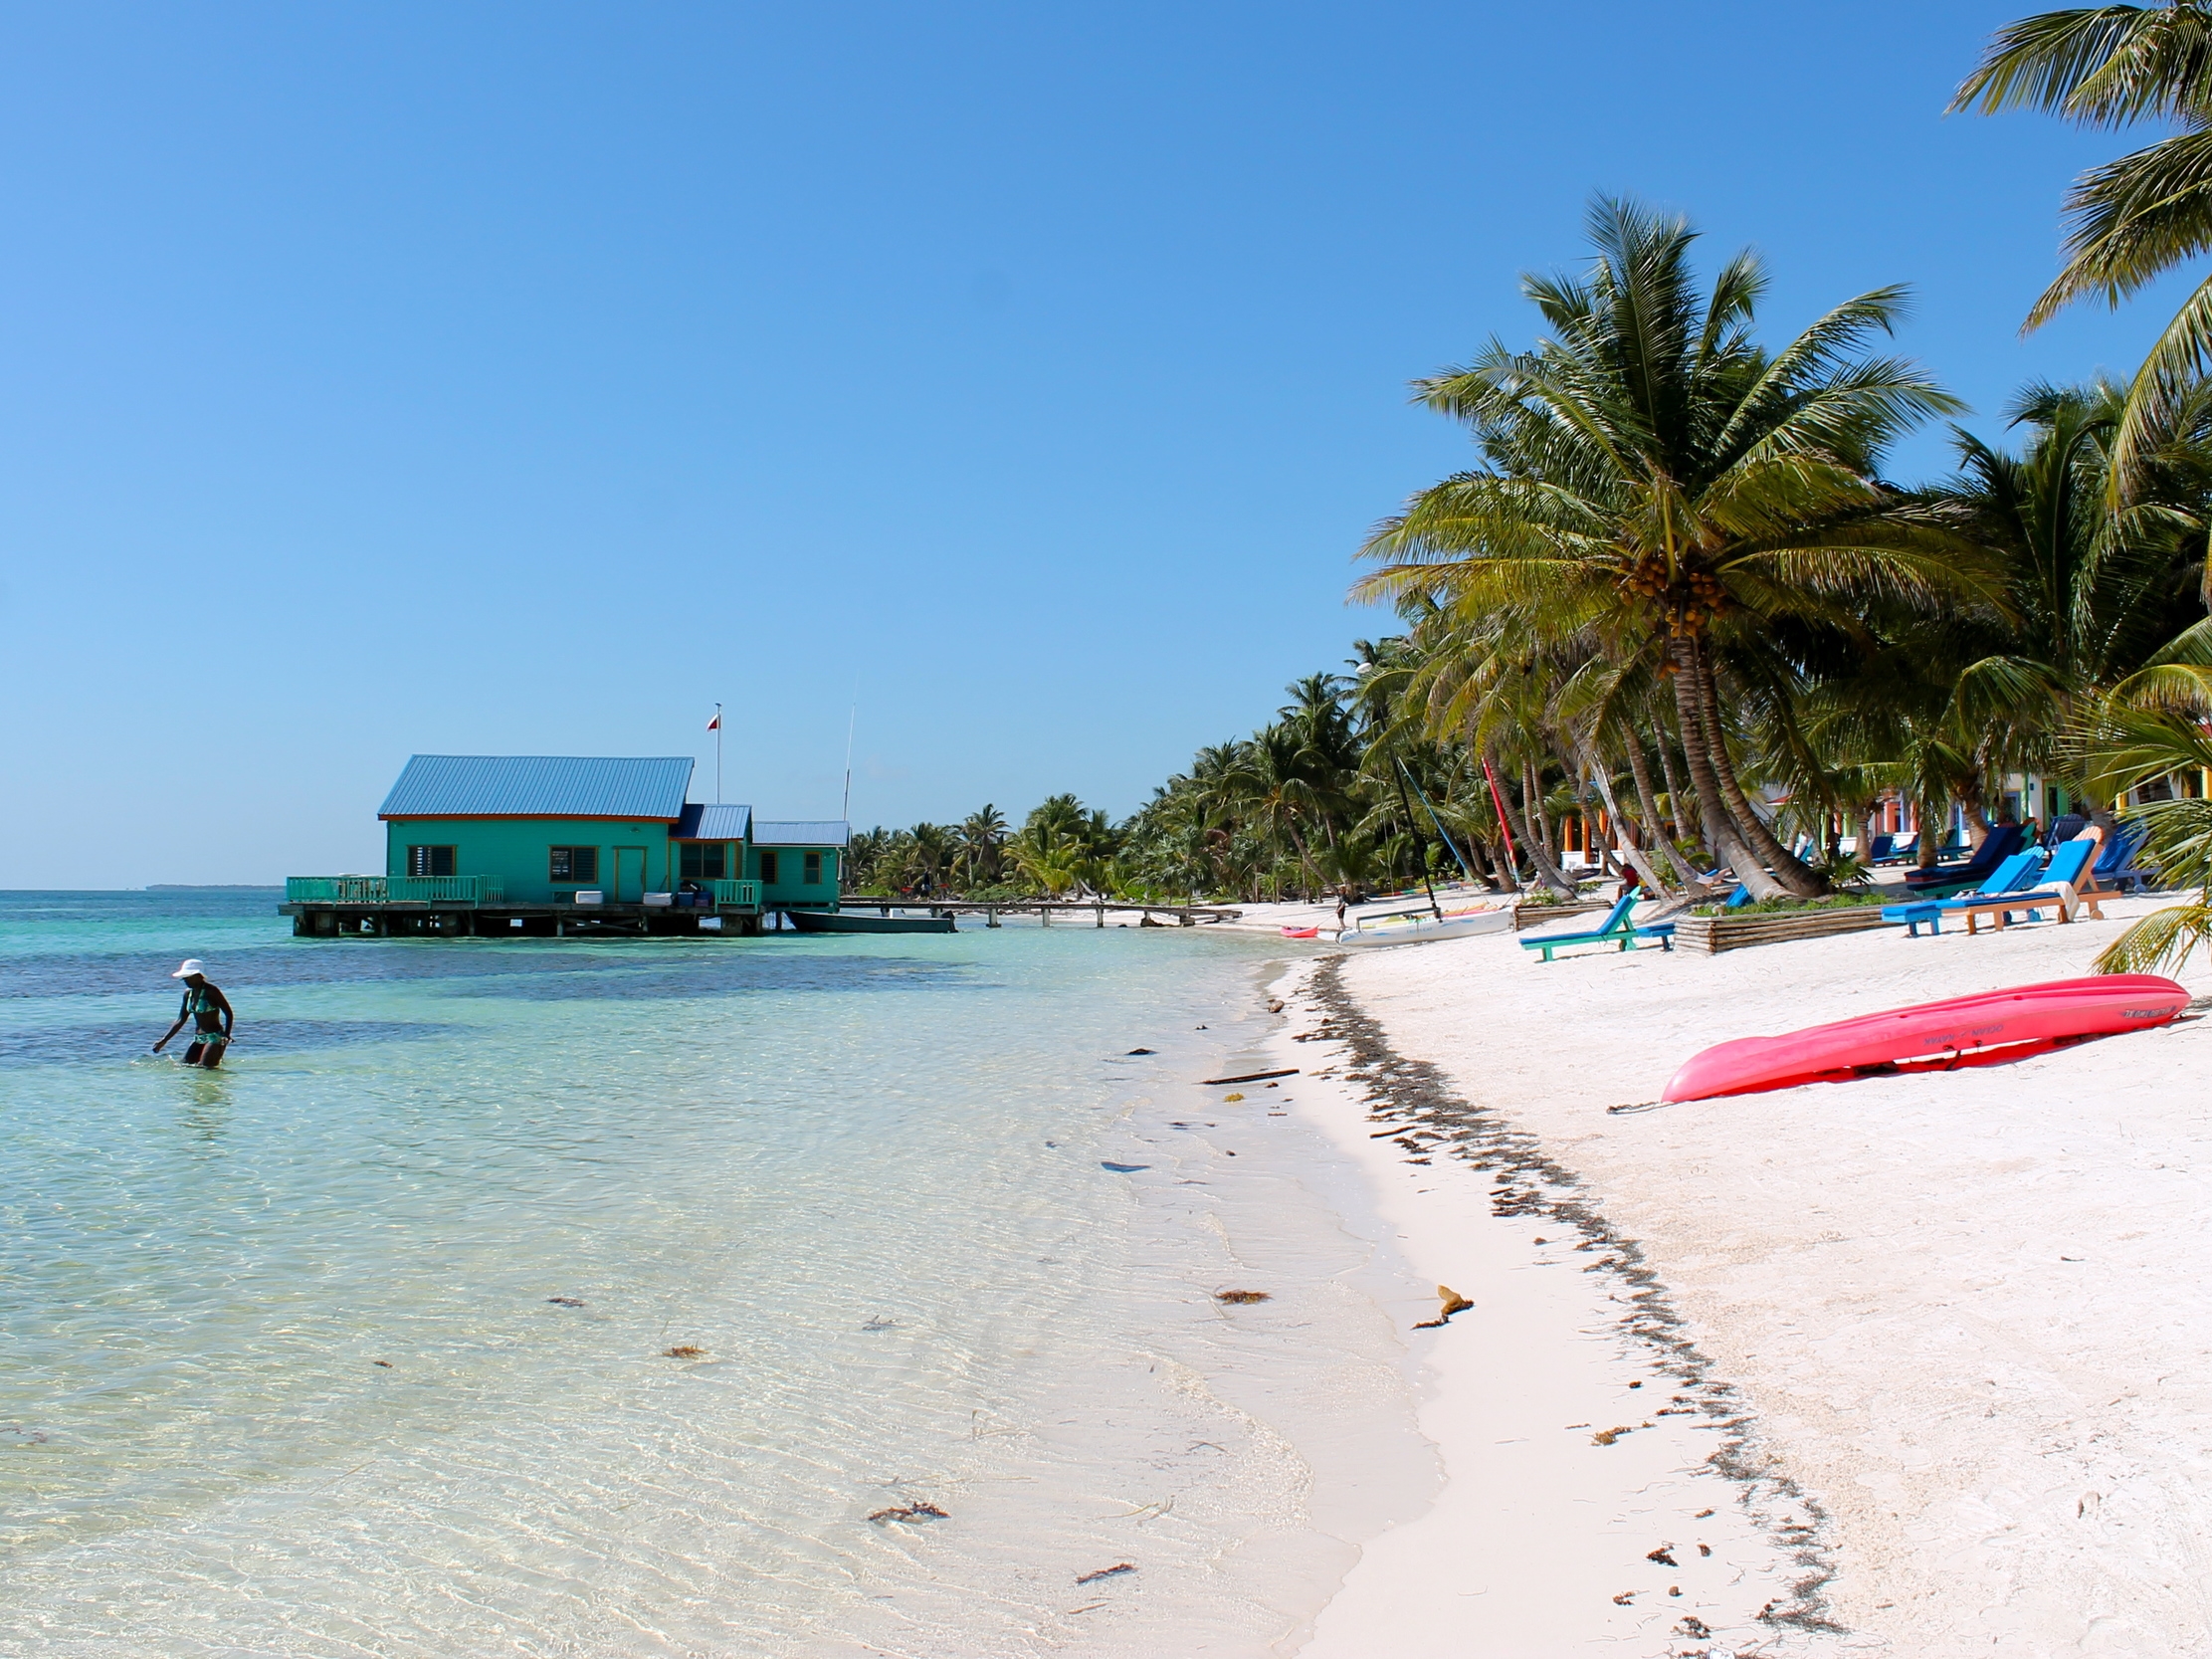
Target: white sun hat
189	966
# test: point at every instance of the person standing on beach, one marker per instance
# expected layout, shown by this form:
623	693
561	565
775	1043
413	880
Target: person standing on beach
211	1012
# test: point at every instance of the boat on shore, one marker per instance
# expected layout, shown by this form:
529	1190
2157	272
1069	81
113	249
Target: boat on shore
1979	1030
1413	927
850	922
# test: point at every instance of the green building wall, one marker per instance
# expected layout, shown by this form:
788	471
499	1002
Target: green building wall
789	887
520	852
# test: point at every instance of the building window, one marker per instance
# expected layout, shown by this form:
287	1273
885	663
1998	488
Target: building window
768	868
575	863
814	869
430	861
702	861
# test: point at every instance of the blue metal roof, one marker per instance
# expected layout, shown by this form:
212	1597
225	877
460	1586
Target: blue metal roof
713	823
539	786
816	833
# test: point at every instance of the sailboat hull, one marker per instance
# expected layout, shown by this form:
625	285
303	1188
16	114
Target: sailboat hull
850	922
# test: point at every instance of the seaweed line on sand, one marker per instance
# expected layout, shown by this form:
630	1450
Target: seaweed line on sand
1529	1182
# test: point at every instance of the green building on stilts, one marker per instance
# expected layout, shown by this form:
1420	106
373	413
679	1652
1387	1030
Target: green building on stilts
501	846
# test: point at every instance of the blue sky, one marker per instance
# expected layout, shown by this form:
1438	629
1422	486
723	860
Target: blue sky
523	379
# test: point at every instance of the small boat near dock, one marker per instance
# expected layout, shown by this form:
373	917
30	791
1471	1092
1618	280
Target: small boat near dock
1413	927
848	922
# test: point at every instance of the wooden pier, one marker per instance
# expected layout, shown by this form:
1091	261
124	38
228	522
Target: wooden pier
419	918
437	919
1186	915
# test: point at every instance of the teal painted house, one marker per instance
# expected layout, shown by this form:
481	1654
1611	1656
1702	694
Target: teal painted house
600	836
797	863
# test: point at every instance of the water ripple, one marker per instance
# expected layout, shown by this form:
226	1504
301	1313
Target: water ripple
285	1372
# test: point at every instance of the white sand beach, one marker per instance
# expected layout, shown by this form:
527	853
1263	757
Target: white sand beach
1948	1333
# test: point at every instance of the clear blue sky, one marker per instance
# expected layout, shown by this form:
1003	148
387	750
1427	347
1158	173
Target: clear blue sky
523	379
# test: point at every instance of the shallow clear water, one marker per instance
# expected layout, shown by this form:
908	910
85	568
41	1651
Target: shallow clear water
283	1371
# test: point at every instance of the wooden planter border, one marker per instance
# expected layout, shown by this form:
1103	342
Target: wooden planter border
1711	935
1527	917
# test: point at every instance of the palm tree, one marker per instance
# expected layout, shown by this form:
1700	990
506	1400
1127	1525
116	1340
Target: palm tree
863	859
1396	758
983	844
2123	748
1049	859
1657	483
1283	792
2090	596
2132	219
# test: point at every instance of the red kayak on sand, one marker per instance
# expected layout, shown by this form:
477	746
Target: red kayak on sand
1935	1036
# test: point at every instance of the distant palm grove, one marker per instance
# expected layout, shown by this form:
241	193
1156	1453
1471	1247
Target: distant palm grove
1677	613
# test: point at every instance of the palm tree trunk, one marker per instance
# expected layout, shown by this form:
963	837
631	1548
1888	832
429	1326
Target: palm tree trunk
1685	809
1719	825
1623	831
1791	871
1488	861
1532	796
1640	770
1289	822
1479	859
1925	834
1553	876
1977	821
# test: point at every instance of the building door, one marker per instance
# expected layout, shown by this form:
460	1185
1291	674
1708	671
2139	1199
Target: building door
629	876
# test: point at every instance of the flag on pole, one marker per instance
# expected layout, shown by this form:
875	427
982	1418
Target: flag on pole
716	725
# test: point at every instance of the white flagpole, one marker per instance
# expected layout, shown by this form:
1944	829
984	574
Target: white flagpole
718	755
845	812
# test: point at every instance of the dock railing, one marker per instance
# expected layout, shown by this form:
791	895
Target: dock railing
385	890
448	890
336	890
743	895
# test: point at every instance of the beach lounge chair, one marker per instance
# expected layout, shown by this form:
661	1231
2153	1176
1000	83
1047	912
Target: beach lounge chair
1946	879
1877	848
1616	928
1898	848
2064	828
2059	885
2116	871
2016	875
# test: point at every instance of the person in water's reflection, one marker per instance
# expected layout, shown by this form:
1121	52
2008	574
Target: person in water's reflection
209	1009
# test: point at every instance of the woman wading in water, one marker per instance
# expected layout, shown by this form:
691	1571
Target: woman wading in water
211	1011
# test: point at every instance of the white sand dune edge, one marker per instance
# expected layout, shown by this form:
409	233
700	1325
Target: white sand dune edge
1965	1315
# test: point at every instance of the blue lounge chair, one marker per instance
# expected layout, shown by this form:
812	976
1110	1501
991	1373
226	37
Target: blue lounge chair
2017	874
1900	848
2064	828
2118	868
1946	879
1879	848
1616	928
2059	885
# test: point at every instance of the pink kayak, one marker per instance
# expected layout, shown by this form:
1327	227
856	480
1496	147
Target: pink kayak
1935	1036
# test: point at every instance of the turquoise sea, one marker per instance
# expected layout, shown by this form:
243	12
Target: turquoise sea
361	1345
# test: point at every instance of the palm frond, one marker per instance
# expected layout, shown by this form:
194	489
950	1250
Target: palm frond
2160	942
2130	221
2101	66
